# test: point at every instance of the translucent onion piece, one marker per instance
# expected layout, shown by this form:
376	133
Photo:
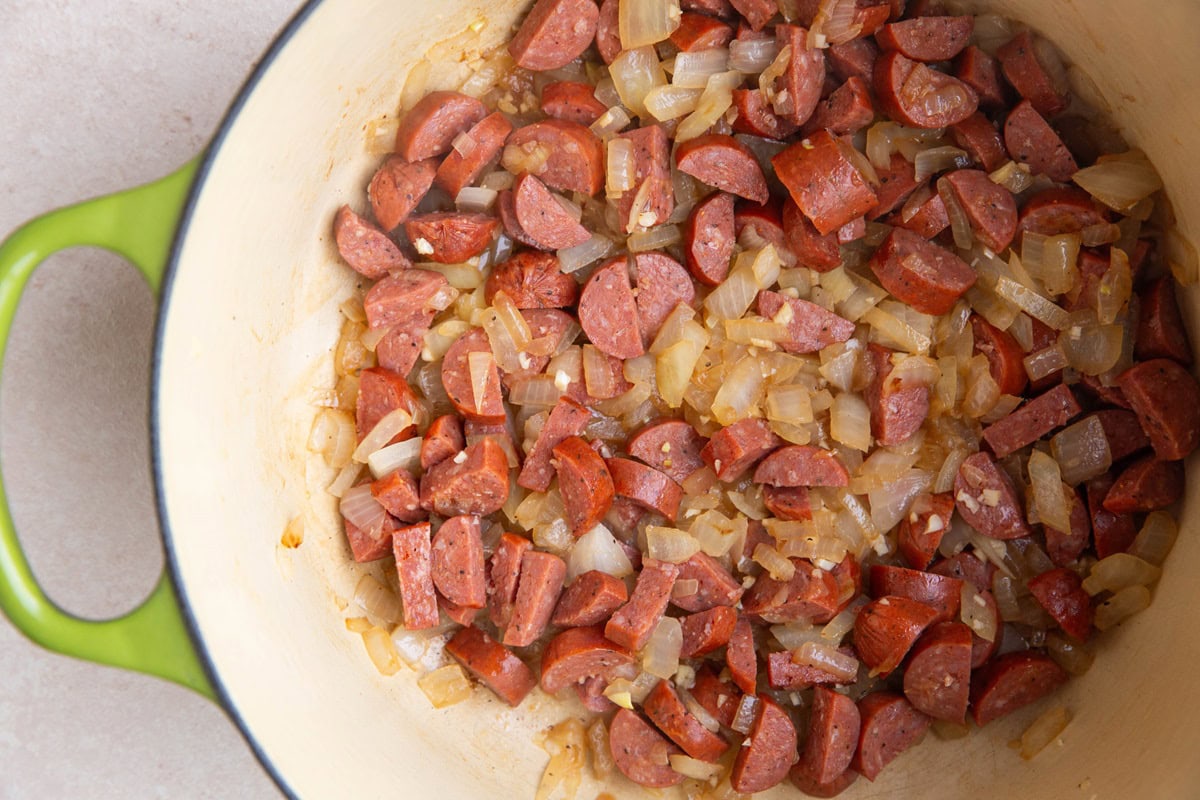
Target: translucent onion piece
634	73
414	84
1089	347
837	628
377	601
565	744
1045	362
1181	257
601	760
647	22
939	159
536	390
670	544
445	686
481	366
692	70
1012	176
381	650
554	536
1121	606
599	550
1100	234
573	259
1120	182
715	532
673	370
1156	538
752	56
1032	303
714	102
693	768
778	567
505	350
839	364
1052	260
776	70
789	403
671	102
982	392
1044	730
1116	286
384	431
619	168
960	226
850	421
1118	571
660	657
739	395
344	480
747	712
401	455
829	659
610	123
1068	654
659	238
892	331
890	502
944	481
839	25
1046	480
975	613
486	76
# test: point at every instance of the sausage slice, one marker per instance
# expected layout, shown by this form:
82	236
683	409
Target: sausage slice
398	187
833	729
937	679
767	755
1013	681
538	588
927	38
824	182
574	156
608	311
431	126
734	449
641	752
920	273
987	500
413	566
585	483
989	207
720	160
1061	593
890	725
473	482
634	622
590	600
451	237
667	711
810	327
1166	399
577	654
365	248
460	168
913	94
886	630
493	664
458	568
554	33
542	218
802	465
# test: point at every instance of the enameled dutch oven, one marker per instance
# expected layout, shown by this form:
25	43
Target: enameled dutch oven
239	244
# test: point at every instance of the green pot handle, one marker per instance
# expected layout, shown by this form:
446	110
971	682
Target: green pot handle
138	224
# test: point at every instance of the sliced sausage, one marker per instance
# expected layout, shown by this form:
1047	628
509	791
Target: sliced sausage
543	219
987	500
1111	533
716	8
460	168
662	284
451	237
554	33
921	531
705	631
365	248
847	110
756	223
937	679
493	664
608	311
608	33
832	789
463	616
431	126
886	629
568	418
585	483
667	711
458	567
920	273
783	673
1030	140
967	566
720	160
532	280
671	446
364	547
939	592
640	752
400	297
740	658
397	492
506	208
708	239
1146	485
913	94
734	449
473	482
578	654
572	101
1061	593
574	156
890	725
756	12
1059	209
757	117
765	757
700	32
398	187
852	59
810	327
590	600
380	392
1019	61
833	728
503	575
989	207
812	594
1006	359
633	623
1166	399
1013	681
981	72
645	486
1064	547
927	38
1032	421
818	252
802	465
411	547
897	181
924	213
717	697
456	378
898	408
651	180
538	589
443	439
1160	331
715	586
824	182
799	88
978	136
788	502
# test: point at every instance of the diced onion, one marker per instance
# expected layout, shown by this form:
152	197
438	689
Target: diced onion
634	73
1068	654
619	168
739	395
377	601
1120	182
976	614
445	686
747	712
789	403
360	508
960	226
599	550
535	390
752	56
1046	480
714	102
345	479
1044	730
1012	176
384	431
1090	347
778	567
573	259
658	238
381	650
1032	303
647	22
693	768
1119	571
670	544
850	421
487	75
1156	538
661	654
944	481
1115	289
481	365
1045	362
692	70
610	123
565	744
939	159
1121	606
401	455
827	658
890	502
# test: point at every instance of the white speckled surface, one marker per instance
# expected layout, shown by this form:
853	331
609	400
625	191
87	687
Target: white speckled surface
100	97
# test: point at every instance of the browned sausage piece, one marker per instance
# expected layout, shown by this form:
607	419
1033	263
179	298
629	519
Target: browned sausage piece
456	378
641	752
832	789
431	126
413	566
783	673
1030	140
1013	681
1060	209
671	446
634	622
397	492
852	59
365	248
532	280
715	586
400	347
734	449
924	213
493	664
1160	331
538	588
802	465
986	499
798	90
503	575
458	568
720	160
508	219
756	12
788	502
662	284
756	116
543	219
568	418
886	629
485	140
921	531
890	725
398	187
1146	485
652	187
823	181
705	631
1061	593
979	137
716	8
365	546
572	101
586	485
847	110
1033	420
765	757
762	222
580	653
810	327
937	680
967	566
897	181
989	207
574	156
1064	547
812	594
451	237
403	296
700	32
920	273
913	94
939	592
1004	355
981	72
820	253
473	482
1166	399
608	311
898	409
1018	59
667	711
873	14
717	697
380	392
708	239
608	33
443	439
646	486
590	600
833	728
927	38
463	616
554	33
1111	533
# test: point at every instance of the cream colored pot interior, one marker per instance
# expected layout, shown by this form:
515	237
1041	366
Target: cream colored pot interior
252	319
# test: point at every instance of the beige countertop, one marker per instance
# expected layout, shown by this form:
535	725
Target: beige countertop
100	97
